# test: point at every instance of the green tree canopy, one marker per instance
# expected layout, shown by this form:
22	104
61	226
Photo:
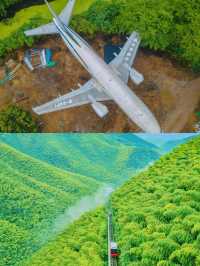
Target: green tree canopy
14	119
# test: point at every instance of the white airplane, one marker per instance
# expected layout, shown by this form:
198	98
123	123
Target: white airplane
108	82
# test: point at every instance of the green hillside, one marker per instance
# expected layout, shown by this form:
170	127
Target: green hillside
43	176
157	219
83	243
32	195
169	145
104	157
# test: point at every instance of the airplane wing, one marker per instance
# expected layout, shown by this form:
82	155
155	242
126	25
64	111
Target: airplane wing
42	30
88	93
50	28
124	61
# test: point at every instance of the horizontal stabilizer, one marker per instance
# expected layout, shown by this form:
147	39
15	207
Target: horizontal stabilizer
66	14
42	30
50	28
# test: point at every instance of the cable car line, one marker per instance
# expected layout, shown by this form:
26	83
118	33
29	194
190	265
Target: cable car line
113	252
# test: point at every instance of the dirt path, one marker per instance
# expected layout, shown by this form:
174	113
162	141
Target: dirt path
176	120
171	92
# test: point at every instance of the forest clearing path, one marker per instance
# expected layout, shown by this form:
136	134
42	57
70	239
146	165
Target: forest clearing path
186	105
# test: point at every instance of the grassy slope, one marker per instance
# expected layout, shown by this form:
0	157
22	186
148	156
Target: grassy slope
84	243
32	195
157	217
99	156
164	229
34	191
23	16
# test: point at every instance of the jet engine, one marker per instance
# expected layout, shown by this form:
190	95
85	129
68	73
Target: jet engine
100	109
136	77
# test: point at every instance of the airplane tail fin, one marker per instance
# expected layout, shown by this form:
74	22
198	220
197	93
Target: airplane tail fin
50	28
51	9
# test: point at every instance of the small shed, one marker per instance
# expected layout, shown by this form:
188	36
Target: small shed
39	58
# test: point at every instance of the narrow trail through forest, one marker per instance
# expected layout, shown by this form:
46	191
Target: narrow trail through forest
185	106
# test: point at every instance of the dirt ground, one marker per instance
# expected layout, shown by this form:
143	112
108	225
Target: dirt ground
170	91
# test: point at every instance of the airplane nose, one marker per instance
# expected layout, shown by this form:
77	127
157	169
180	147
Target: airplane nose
156	129
153	127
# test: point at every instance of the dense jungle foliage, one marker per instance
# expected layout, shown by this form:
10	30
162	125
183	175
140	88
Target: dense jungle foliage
157	219
5	4
83	243
14	119
122	159
32	195
41	178
12	30
170	26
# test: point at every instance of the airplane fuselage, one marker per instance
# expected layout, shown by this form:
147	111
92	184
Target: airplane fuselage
108	79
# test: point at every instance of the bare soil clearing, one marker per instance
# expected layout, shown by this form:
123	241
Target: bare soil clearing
170	91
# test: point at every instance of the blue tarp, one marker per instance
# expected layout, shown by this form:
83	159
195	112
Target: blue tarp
109	50
49	54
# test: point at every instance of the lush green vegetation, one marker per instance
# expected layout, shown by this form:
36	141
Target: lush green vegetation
83	243
12	30
13	119
157	219
32	195
4	5
169	26
46	174
164	229
122	158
